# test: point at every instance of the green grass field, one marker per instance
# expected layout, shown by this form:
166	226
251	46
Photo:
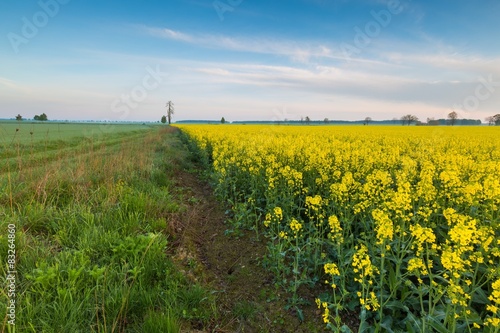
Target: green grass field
27	132
88	205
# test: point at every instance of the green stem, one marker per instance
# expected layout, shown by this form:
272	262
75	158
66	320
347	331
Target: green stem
381	282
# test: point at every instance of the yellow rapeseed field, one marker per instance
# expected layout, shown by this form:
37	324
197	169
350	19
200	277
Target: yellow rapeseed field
401	222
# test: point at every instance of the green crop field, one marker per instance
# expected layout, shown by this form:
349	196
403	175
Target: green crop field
26	132
83	238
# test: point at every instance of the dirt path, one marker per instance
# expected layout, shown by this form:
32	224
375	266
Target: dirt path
248	301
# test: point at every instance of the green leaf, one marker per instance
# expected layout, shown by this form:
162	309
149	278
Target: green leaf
364	326
345	329
300	314
396	305
393	282
387	324
413	324
435	324
480	297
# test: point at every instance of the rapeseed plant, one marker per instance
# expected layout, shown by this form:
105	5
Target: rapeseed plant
410	219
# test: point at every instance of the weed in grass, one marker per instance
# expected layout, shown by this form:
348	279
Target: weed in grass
244	310
160	323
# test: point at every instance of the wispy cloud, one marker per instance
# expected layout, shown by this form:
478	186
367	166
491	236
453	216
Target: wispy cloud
335	81
431	53
297	51
10	84
171	34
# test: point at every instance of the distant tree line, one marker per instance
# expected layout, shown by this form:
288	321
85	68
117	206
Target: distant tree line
42	117
403	121
408	119
444	122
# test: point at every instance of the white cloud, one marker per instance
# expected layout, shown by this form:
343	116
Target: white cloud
297	51
10	84
170	34
324	81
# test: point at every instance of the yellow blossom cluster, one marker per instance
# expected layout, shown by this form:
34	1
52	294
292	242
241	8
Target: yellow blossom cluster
326	313
314	206
276	216
363	267
417	266
335	230
493	319
370	303
331	269
295	225
384	228
423	236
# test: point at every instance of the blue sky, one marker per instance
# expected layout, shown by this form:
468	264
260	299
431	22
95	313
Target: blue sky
249	59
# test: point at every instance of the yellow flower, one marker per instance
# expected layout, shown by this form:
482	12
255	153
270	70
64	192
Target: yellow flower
318	302
385	228
331	269
326	314
362	264
417	266
453	262
335	229
495	294
374	301
295	225
492	308
278	213
267	221
495	322
422	236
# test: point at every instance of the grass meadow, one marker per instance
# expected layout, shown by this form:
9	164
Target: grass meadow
89	205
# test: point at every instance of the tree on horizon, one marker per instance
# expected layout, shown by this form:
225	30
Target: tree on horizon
170	111
496	119
408	119
452	116
42	117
